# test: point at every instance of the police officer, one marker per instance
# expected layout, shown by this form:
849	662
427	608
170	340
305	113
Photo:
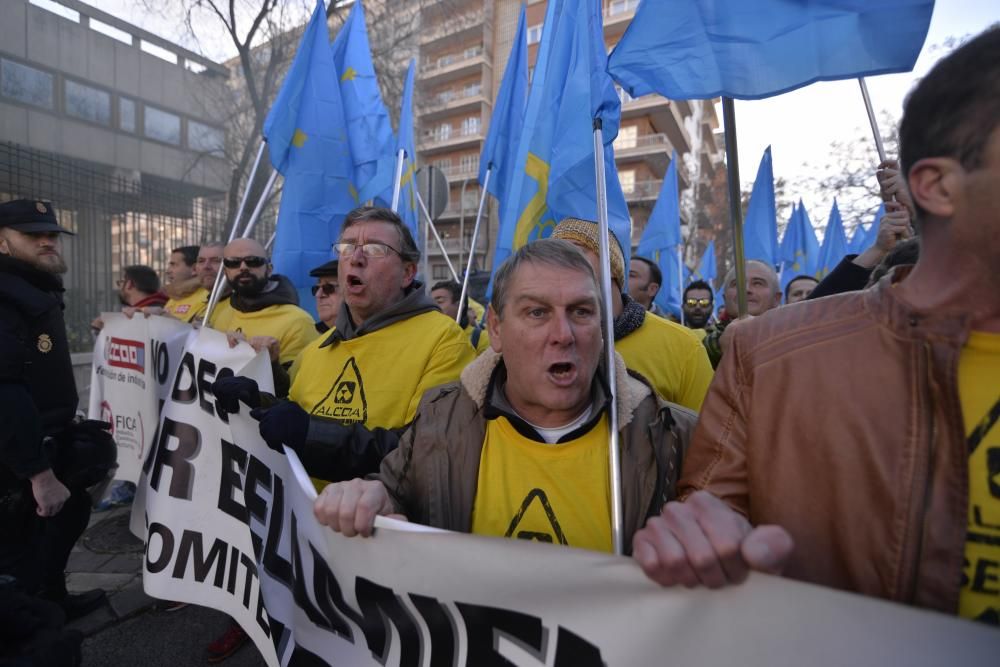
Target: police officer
46	460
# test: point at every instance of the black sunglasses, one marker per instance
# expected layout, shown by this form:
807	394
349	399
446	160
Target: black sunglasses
327	289
252	262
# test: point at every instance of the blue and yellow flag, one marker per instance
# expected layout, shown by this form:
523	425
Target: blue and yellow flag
799	247
697	49
307	141
407	208
508	116
834	244
760	229
707	267
661	242
554	175
369	130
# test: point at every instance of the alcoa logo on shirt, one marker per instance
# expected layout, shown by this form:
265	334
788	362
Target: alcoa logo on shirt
345	402
123	353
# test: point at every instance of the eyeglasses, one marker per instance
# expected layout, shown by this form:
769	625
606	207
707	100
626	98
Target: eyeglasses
704	303
326	288
119	283
367	249
252	262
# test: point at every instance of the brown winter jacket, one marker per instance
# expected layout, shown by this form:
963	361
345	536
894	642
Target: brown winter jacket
432	476
839	419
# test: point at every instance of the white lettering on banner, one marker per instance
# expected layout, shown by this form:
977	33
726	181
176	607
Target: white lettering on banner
231	526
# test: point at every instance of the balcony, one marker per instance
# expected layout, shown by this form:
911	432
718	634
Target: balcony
641	191
618	14
457	28
439	141
452	101
641	145
454	66
664	114
461	172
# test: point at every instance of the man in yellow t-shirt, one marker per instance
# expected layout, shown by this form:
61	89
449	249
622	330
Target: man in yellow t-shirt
446	295
519	447
665	353
979	391
188	297
355	389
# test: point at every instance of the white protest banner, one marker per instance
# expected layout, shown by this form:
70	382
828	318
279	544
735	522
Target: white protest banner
434	598
133	364
190	440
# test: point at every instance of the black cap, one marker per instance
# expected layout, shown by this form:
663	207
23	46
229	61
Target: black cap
30	216
325	270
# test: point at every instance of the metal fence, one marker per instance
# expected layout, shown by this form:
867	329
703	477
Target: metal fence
120	218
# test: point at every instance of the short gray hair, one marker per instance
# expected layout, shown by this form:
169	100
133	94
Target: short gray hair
772	276
552	252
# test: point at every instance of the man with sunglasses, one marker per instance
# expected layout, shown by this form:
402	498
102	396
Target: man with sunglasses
327	294
262	307
356	389
698	305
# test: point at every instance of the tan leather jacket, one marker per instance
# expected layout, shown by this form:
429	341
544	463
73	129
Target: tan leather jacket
839	419
433	475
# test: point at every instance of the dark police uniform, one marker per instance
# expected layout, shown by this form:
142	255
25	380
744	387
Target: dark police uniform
38	400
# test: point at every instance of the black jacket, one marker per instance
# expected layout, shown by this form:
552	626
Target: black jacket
845	277
38	395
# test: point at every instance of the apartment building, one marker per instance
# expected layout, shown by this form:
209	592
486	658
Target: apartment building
463	50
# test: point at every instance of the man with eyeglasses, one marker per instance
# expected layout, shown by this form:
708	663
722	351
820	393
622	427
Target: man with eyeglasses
698	305
327	294
356	389
262	307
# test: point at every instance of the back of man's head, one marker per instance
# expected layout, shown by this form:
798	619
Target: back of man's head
955	108
144	278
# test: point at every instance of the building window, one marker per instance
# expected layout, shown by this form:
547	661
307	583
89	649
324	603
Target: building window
88	103
470	125
162	126
26	84
205	139
627	178
440	272
443	132
473	89
126	114
627	137
469	162
534	34
618	7
444	164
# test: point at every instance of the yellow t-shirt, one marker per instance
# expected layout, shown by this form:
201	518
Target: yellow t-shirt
292	326
671	357
378	378
190	307
484	338
556	493
979	392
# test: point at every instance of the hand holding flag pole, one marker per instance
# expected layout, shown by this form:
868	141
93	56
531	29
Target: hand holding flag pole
614	456
475	237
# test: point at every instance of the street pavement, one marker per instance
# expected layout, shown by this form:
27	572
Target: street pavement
129	629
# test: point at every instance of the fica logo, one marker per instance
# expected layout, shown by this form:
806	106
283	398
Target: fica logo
124	353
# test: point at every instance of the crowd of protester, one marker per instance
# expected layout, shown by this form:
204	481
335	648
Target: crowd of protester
842	433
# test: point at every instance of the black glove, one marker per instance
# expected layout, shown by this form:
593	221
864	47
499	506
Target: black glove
229	391
284	423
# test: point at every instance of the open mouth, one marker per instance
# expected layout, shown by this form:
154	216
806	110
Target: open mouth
562	373
354	284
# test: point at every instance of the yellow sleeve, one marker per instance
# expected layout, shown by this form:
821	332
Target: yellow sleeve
450	356
696	376
301	331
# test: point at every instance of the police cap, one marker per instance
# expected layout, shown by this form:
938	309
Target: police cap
30	216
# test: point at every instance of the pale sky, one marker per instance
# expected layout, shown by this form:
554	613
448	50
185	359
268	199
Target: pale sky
799	126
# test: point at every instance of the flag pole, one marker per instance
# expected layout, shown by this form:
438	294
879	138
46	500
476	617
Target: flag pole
270	241
437	237
614	456
260	205
217	288
472	249
397	179
246	192
871	119
680	278
735	210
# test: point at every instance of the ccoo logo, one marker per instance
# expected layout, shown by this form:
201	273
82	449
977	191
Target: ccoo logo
123	353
